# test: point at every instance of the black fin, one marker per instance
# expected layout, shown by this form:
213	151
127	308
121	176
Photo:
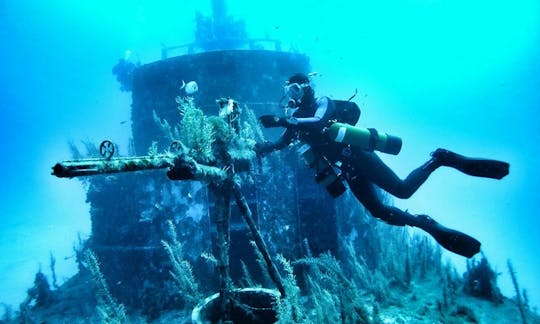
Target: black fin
456	241
484	168
452	240
477	167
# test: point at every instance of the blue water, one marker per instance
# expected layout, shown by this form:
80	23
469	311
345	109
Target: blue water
454	74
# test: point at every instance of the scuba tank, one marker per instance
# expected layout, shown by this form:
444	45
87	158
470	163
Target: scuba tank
364	138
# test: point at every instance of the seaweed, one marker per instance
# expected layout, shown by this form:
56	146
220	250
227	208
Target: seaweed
110	311
480	280
182	270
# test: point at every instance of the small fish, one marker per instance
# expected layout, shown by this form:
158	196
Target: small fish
191	87
123	122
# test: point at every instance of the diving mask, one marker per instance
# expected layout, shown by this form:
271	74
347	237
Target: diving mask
295	91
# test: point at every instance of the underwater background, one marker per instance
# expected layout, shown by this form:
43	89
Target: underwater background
454	74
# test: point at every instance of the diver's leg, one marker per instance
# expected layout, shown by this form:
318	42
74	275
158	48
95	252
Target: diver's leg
370	165
373	168
450	239
369	196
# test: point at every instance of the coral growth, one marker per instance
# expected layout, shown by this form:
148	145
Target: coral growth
210	139
481	280
196	132
40	295
182	271
109	310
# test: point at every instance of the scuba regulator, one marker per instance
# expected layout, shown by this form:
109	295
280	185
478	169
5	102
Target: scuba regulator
326	174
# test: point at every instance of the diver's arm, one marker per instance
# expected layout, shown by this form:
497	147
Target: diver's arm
284	140
322	109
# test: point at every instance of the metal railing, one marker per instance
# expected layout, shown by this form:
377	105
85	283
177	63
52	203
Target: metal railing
195	47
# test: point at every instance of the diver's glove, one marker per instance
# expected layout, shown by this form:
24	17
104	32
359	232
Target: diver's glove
269	121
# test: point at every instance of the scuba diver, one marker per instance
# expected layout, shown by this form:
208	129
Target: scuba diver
331	145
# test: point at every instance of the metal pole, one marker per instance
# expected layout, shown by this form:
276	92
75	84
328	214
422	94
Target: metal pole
248	217
222	216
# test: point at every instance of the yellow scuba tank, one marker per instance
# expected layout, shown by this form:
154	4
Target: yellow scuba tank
364	138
